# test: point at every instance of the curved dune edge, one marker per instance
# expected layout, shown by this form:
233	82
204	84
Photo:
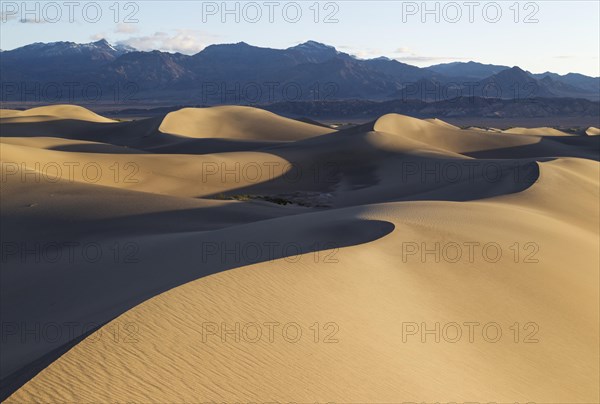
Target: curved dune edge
235	122
176	175
202	175
364	298
447	137
439	122
543	131
592	131
51	112
61	144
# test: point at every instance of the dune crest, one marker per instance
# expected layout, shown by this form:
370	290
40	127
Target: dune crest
439	122
446	136
52	112
592	131
234	122
537	131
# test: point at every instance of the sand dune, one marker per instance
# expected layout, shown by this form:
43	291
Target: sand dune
591	131
537	131
439	122
481	144
53	112
444	136
208	218
234	122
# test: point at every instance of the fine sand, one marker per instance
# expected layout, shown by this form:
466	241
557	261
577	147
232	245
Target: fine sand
231	255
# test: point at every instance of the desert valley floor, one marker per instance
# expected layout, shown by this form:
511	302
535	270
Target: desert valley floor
228	254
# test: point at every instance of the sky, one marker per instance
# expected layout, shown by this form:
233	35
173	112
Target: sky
539	36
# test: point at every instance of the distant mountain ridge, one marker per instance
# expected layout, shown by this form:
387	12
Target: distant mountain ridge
244	74
468	70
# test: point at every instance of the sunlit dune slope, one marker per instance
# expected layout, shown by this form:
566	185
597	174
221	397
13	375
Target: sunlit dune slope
537	132
481	144
592	131
233	122
54	112
360	300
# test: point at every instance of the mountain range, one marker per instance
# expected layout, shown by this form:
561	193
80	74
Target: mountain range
244	74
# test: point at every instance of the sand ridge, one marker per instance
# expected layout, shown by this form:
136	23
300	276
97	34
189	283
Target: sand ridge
234	122
52	112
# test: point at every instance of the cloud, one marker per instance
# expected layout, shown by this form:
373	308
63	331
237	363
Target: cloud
425	59
403	50
564	57
402	54
362	53
97	37
408	55
185	41
126	28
